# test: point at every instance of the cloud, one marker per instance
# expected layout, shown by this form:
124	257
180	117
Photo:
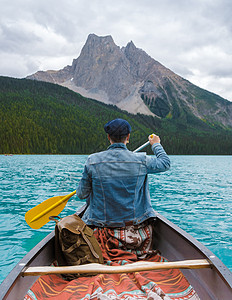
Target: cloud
192	38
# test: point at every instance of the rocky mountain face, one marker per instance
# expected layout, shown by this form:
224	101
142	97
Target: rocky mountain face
130	79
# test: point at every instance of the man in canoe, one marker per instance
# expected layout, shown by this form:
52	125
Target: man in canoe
115	185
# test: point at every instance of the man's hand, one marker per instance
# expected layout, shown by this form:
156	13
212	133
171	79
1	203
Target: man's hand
153	139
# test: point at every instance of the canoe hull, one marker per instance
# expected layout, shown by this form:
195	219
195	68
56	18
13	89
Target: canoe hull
174	244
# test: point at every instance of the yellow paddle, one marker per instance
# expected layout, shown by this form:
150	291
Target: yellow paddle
39	215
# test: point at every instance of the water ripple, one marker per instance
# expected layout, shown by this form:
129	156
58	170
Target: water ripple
195	194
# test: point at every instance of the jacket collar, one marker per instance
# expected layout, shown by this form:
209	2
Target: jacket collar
117	145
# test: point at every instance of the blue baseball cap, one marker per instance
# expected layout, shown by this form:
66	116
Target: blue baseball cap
117	127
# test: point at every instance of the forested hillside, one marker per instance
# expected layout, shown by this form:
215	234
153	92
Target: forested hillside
39	117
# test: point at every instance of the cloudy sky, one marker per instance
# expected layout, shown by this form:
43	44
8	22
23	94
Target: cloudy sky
193	38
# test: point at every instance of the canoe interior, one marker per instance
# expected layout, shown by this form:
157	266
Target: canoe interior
174	244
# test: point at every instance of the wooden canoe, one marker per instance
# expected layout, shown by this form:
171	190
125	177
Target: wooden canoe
175	244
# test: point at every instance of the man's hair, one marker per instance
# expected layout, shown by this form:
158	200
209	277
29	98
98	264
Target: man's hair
118	138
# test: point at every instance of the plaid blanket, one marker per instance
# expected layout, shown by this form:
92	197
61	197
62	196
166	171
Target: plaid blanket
119	246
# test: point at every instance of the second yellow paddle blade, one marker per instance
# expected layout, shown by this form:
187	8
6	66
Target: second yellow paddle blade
39	215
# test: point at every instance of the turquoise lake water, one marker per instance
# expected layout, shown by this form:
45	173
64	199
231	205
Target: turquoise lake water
195	194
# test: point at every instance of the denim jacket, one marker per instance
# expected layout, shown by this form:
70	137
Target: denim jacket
115	185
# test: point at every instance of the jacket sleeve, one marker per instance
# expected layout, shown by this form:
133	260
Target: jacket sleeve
84	187
158	163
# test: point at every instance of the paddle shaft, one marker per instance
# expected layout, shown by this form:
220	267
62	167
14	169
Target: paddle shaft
142	146
128	268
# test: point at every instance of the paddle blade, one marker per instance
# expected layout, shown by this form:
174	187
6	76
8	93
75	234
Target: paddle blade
39	215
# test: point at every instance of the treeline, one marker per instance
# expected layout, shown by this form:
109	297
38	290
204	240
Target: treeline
41	118
38	117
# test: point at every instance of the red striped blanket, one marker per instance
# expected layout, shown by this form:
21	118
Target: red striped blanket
119	247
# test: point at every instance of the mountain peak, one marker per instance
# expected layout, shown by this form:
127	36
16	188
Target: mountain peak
129	78
95	39
131	45
95	46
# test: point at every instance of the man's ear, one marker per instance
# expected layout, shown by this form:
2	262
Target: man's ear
127	138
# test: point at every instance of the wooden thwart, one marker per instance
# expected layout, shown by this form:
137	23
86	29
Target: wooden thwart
129	268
